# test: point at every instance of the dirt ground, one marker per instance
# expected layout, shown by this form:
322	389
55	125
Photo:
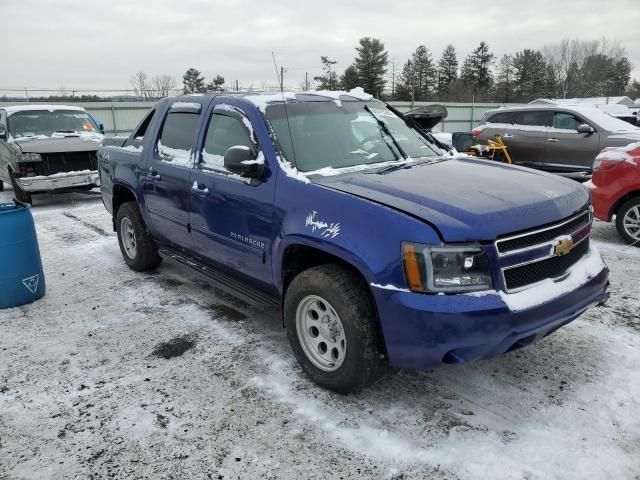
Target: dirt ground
118	374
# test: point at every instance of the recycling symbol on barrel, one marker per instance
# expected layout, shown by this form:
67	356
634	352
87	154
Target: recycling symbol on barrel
31	283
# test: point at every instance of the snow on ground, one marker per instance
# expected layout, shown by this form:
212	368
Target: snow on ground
118	374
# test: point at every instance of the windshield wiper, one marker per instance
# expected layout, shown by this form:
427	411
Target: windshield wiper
399	166
383	126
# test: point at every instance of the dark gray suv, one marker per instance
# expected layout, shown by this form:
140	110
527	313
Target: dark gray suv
563	140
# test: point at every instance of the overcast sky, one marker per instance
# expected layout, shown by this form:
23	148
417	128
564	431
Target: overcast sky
98	44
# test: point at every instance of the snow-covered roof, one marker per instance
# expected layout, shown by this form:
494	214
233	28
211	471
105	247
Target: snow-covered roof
31	107
622	100
262	100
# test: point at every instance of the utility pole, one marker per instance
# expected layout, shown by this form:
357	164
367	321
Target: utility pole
306	81
281	78
237	86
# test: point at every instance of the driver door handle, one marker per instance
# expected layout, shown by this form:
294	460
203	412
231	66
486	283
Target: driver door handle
507	135
552	140
153	175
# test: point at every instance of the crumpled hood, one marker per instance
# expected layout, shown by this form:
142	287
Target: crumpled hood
469	199
58	145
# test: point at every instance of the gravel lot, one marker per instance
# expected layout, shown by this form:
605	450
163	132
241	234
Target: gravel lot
117	374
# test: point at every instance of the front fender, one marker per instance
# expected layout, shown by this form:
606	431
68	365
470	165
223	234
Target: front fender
365	234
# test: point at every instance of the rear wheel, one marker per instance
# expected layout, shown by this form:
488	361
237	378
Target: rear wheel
21	195
332	328
628	221
138	248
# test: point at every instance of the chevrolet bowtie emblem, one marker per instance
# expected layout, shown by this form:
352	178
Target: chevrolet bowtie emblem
562	245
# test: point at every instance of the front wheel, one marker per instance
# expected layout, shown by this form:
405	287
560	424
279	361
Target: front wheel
138	248
628	221
332	328
21	195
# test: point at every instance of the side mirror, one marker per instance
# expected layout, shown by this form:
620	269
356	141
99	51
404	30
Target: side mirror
585	128
243	161
101	128
3	132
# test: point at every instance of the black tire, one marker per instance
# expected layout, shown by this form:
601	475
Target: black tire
21	195
1	186
620	214
349	296
146	252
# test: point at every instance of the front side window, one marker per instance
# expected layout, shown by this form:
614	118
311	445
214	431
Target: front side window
175	144
223	133
533	118
327	134
45	123
566	121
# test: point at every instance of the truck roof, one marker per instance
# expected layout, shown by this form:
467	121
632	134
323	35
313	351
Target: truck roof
263	99
32	107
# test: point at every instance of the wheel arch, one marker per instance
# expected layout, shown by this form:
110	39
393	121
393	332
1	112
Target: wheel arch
300	254
121	194
620	201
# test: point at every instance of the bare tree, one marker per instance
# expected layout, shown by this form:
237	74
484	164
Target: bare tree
140	85
163	85
567	58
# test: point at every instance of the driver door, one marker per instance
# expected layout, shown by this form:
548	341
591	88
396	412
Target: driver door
230	218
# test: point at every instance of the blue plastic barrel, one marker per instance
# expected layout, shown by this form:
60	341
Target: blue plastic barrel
21	274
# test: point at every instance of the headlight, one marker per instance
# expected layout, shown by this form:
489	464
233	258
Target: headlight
450	269
30	157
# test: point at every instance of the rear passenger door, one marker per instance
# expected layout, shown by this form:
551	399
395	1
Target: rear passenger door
166	180
526	139
231	218
567	147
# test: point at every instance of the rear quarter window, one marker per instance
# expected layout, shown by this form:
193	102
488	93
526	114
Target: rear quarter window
502	117
175	144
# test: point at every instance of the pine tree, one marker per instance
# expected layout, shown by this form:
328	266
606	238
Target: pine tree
476	70
371	63
447	70
505	80
405	87
533	76
349	78
216	84
192	81
329	78
424	73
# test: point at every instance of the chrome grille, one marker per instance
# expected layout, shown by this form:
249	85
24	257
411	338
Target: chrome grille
541	236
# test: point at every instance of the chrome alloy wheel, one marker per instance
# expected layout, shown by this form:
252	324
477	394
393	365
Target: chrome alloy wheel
128	236
320	333
631	222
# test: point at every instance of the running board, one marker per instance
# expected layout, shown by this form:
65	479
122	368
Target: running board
224	281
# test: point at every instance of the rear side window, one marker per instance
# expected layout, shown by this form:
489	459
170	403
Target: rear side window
175	144
566	121
223	133
534	118
502	117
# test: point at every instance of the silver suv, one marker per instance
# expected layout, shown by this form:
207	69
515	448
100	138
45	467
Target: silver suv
563	140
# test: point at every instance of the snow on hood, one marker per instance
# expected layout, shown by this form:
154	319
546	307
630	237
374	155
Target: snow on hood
468	199
627	153
58	144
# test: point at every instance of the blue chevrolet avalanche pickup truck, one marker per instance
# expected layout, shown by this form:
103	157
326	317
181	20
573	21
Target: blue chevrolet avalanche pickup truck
380	247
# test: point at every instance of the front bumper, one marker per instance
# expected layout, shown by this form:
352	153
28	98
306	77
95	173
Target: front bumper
423	331
59	181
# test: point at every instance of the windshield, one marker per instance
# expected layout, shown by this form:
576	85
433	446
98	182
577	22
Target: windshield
326	134
36	123
606	121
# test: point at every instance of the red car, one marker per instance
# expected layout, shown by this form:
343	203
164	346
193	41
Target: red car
615	189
